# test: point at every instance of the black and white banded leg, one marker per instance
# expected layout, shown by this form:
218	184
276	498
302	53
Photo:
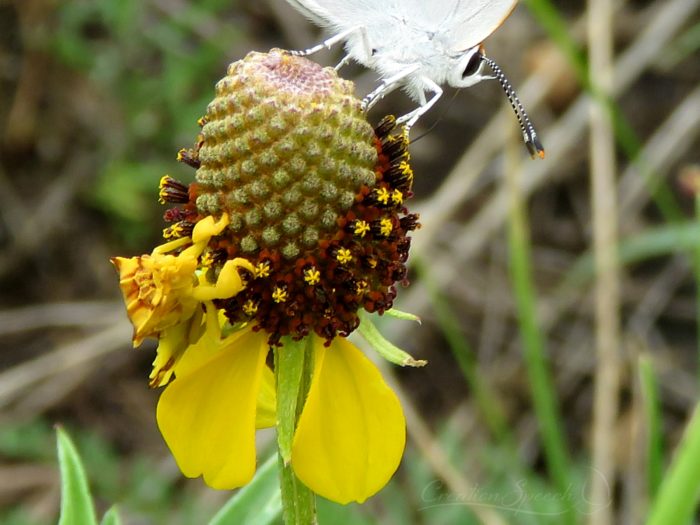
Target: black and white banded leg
335	39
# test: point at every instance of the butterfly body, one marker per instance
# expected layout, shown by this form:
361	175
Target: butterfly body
418	45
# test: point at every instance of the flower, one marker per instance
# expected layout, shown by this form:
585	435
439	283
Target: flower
295	222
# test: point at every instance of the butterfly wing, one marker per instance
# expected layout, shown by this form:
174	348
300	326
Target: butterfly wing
339	15
314	11
463	23
472	21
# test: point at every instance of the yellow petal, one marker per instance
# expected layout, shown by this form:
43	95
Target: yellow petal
267	401
352	432
207	416
210	344
228	284
174	341
156	290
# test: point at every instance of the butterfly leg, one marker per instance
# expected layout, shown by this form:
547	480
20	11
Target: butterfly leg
343	62
387	86
409	119
330	42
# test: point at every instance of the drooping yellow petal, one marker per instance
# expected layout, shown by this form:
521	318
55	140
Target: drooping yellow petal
156	290
267	401
351	433
207	416
228	284
210	343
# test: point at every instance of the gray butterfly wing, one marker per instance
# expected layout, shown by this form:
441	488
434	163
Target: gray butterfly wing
463	23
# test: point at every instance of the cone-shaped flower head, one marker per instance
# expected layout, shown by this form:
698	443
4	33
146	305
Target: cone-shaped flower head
296	221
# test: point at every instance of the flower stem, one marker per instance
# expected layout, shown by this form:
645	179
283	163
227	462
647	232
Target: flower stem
293	370
298	502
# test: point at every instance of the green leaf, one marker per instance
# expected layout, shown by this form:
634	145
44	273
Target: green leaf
404	316
680	490
111	517
76	503
258	503
652	419
289	367
384	348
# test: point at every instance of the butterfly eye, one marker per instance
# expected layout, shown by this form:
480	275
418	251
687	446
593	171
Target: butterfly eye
472	66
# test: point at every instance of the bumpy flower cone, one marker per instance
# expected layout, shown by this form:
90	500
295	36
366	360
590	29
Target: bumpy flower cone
295	222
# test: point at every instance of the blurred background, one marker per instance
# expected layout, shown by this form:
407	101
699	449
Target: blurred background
557	386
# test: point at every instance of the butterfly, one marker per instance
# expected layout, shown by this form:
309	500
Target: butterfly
419	45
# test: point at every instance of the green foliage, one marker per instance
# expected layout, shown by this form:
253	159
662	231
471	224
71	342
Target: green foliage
258	503
680	490
154	74
111	517
76	502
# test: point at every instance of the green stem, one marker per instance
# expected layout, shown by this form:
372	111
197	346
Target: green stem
541	384
678	494
293	370
298	502
696	269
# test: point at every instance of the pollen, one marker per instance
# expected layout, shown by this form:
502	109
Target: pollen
262	270
361	287
383	195
171	190
293	180
312	276
207	259
279	295
361	228
385	227
344	256
250	308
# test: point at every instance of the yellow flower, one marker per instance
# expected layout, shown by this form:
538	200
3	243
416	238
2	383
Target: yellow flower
156	291
163	293
349	439
290	229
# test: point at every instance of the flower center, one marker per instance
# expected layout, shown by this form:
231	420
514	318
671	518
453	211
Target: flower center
314	195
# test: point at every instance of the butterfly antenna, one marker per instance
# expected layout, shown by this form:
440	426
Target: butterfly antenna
533	144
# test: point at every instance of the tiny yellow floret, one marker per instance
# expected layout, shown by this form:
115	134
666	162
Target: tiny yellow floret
250	308
383	195
361	228
361	287
312	276
162	187
262	270
207	259
344	256
385	227
397	196
279	295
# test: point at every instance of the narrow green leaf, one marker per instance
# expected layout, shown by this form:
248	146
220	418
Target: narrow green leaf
111	517
289	366
258	503
384	348
652	418
542	389
404	316
680	489
76	502
653	242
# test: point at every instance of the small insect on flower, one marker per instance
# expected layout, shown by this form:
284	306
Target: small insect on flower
419	46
